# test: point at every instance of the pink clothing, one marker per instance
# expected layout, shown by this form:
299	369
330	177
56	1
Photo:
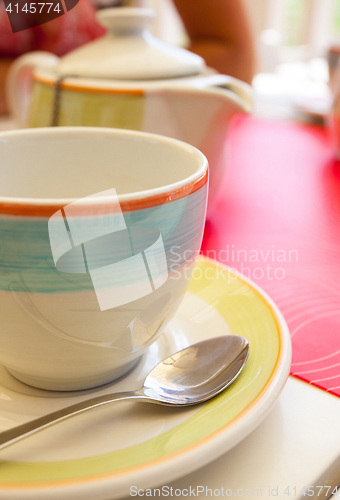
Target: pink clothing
67	32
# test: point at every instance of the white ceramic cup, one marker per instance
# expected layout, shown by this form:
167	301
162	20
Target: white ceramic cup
99	232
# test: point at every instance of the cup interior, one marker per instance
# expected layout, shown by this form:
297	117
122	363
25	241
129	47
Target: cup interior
74	162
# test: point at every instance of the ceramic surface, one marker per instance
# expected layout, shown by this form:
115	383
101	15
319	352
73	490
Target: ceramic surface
129	51
198	118
74	314
104	453
129	79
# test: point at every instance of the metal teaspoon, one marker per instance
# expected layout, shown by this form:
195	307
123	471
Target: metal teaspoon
185	378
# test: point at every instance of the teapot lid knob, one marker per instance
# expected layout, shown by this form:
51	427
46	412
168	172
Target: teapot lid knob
128	51
129	20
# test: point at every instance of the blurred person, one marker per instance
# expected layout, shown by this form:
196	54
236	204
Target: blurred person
218	31
63	34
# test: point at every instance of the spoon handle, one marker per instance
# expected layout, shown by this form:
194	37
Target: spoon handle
21	431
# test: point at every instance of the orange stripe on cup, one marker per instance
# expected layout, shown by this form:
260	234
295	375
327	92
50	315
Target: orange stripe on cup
31	209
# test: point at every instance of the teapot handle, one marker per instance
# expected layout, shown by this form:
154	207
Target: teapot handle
20	79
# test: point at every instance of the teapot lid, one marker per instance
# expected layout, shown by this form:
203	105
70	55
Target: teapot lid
128	51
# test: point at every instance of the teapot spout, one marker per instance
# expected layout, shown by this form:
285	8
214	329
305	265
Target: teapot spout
241	90
200	117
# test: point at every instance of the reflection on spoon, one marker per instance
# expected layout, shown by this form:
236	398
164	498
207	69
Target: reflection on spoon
185	378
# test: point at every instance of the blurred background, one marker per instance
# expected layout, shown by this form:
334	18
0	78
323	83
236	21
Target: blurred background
297	44
294	40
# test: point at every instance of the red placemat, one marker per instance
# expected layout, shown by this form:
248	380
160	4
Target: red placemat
278	222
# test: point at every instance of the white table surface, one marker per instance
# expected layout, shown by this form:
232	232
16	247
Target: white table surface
293	447
297	445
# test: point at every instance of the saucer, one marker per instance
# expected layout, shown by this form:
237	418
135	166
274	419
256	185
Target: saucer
106	453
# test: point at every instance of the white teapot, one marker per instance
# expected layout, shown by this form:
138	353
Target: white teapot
130	79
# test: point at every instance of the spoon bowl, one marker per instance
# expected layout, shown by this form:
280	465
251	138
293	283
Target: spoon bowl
190	376
198	372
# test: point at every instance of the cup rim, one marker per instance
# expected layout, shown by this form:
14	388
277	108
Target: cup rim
128	201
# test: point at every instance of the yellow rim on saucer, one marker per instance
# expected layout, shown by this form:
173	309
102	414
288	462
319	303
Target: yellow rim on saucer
247	311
